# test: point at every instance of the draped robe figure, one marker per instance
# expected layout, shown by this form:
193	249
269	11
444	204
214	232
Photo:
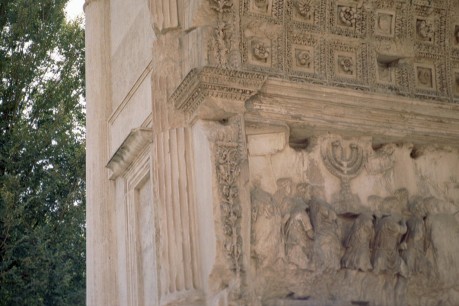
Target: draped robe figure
267	240
358	244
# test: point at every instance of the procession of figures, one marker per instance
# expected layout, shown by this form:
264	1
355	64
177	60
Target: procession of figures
398	237
298	226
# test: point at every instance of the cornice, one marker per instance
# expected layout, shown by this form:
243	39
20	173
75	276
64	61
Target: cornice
129	150
311	109
314	109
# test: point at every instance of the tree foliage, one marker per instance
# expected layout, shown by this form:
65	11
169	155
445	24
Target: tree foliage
42	155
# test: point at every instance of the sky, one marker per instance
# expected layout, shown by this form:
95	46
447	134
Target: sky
74	9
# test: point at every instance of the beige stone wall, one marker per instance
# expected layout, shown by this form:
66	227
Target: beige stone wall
272	152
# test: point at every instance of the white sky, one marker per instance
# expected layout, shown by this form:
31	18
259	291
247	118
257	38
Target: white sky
74	9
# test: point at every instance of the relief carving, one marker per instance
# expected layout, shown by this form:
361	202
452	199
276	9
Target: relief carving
348	16
425	77
386	257
305	9
266	229
416	241
347	64
358	43
345	165
425	30
358	244
223	31
299	234
303	58
327	245
391	249
260	51
385	23
228	168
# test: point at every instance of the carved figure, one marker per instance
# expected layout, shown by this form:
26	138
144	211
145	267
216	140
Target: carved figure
266	229
327	245
358	243
298	231
424	29
260	51
284	195
396	203
416	241
386	258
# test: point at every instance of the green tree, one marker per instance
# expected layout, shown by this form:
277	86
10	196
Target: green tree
42	155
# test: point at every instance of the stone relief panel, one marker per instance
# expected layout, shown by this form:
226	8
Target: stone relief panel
223	44
384	24
306	57
347	18
345	222
263	46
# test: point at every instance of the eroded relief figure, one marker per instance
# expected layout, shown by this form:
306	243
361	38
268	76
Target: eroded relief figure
284	195
416	241
267	240
386	258
298	231
327	245
358	244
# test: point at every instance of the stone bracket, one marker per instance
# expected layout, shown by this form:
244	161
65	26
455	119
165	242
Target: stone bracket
131	147
209	82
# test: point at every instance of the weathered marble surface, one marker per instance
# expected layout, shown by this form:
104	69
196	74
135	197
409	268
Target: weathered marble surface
273	152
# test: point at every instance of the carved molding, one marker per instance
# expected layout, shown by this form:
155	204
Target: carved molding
207	82
310	109
131	147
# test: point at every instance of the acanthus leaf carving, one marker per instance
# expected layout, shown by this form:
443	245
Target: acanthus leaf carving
223	40
228	160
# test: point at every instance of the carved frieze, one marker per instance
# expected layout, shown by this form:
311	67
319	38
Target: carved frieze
388	251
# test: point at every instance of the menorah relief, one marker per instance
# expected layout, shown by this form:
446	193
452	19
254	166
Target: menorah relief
346	165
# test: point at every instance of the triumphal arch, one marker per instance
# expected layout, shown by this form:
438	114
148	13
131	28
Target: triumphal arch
272	152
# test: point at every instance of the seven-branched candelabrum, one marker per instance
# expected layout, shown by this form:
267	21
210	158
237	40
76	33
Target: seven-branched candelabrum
344	166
